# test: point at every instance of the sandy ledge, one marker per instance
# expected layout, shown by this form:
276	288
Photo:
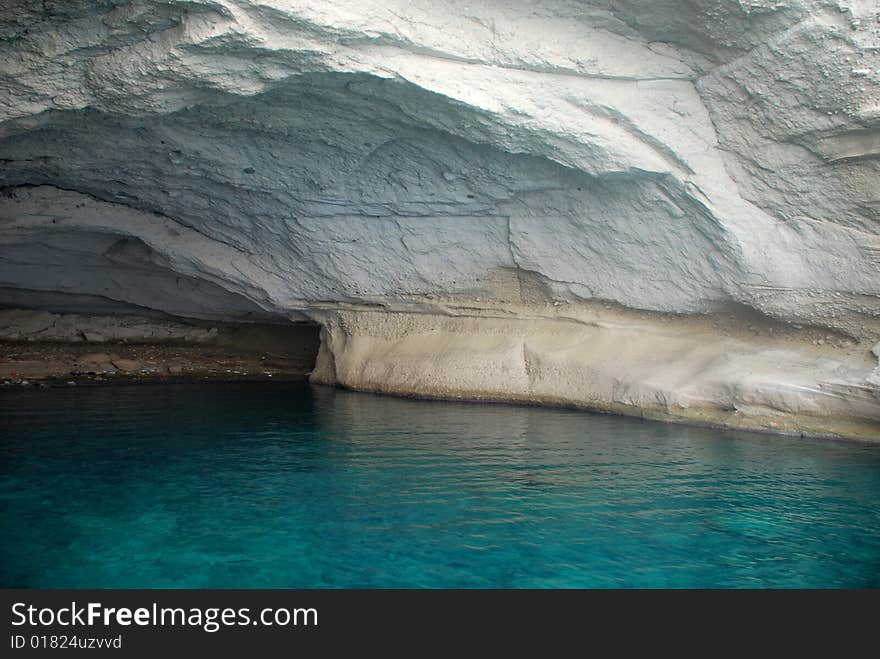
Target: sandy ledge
44	348
62	363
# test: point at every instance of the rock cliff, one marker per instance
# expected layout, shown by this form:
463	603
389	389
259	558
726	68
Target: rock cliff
667	208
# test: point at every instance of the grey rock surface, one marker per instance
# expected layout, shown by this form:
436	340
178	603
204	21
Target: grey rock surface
239	159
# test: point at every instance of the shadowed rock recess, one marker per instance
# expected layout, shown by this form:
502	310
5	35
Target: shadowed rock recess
668	209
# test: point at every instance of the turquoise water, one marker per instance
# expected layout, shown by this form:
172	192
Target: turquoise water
284	485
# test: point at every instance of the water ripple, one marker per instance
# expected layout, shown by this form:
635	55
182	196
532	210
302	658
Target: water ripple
284	485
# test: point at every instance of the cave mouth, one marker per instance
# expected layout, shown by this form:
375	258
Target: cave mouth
56	343
100	304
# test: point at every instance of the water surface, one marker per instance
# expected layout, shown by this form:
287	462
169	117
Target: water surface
285	485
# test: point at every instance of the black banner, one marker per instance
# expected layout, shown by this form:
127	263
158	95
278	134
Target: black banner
278	622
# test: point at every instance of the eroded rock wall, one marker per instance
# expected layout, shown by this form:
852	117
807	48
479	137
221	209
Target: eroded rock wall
660	367
244	159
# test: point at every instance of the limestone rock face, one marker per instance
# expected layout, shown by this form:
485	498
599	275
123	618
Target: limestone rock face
237	158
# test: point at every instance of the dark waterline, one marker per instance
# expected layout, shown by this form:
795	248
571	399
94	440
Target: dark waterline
285	485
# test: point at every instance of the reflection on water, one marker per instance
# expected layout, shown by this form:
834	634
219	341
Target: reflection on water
284	485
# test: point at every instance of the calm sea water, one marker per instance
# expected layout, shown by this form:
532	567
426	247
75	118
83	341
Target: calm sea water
284	485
